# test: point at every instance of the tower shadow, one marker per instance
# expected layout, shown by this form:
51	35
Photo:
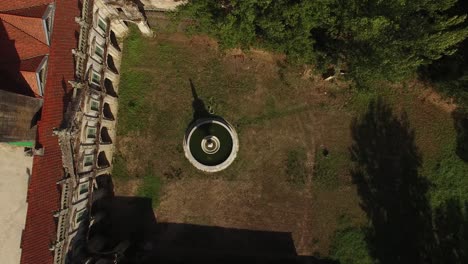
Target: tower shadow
130	233
199	108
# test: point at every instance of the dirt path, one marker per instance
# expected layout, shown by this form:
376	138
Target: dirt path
306	123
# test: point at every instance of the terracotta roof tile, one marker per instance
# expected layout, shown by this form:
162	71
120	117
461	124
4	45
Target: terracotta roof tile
19	4
30	78
31	64
32	26
13	81
21	76
33	11
26	46
19	51
43	192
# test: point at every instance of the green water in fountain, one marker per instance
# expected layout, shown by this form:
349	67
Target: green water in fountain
210	129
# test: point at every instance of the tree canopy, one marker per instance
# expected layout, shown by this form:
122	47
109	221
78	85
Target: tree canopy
374	39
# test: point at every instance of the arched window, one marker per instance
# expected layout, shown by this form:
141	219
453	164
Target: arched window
111	64
107	112
109	86
103	162
105	137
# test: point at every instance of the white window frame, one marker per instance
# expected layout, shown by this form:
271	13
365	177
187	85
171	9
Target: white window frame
100	47
91	105
85	159
48	21
90	137
80	188
102	21
79	214
94	135
95	73
42	77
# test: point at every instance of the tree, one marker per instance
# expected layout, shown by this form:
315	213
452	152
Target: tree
450	73
279	25
391	39
376	40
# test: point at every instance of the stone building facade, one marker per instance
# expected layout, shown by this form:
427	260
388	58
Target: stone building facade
88	132
60	72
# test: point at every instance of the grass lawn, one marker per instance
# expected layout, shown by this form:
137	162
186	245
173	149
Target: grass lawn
303	164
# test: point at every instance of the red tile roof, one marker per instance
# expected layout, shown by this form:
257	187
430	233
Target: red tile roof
32	26
22	76
22	47
43	192
18	4
28	70
31	64
30	78
33	11
25	45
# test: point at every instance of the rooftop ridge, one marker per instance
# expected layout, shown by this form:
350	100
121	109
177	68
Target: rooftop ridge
33	57
21	8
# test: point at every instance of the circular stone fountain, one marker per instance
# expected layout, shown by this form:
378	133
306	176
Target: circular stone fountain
211	144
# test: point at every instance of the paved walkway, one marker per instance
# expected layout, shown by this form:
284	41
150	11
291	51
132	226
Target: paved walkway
15	169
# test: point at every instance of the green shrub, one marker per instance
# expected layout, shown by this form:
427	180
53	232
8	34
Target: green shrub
349	247
381	40
449	179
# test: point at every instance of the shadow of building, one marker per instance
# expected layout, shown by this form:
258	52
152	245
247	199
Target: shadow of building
130	233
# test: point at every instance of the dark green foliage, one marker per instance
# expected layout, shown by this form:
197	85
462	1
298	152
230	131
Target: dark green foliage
349	247
450	73
449	177
391	39
450	224
283	26
296	167
375	40
451	231
405	226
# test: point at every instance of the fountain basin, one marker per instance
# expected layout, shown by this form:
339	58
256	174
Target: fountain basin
211	144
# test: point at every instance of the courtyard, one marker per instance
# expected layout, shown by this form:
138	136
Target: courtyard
302	141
